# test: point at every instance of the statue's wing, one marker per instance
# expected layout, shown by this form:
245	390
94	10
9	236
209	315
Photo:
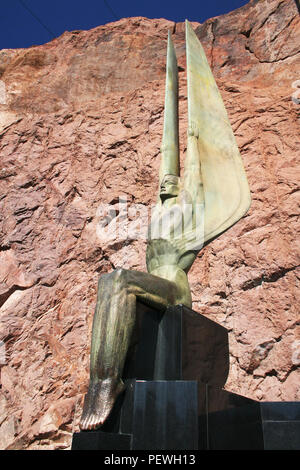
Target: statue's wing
213	162
170	146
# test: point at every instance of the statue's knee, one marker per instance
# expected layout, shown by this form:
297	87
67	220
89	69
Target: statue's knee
117	276
120	274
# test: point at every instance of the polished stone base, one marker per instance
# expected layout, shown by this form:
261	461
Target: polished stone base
233	422
189	415
97	440
174	372
281	425
179	344
157	415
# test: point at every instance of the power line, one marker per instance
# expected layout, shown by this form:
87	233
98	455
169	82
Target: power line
111	10
37	18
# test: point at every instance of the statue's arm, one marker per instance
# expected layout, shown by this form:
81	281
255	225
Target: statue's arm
193	183
170	142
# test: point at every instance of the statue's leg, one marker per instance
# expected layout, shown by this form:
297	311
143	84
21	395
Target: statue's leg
113	324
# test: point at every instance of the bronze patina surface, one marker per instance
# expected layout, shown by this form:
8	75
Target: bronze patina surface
190	211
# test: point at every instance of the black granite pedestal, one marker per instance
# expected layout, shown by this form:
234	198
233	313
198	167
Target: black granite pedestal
189	415
98	440
174	400
281	425
235	422
157	415
178	345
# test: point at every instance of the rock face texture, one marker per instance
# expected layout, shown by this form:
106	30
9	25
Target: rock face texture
80	126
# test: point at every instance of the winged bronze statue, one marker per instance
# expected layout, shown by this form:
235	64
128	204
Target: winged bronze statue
212	195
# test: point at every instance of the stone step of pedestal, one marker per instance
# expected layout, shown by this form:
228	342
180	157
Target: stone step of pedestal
98	440
281	425
164	415
280	411
189	415
281	435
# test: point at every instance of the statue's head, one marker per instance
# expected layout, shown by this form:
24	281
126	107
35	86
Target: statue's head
169	187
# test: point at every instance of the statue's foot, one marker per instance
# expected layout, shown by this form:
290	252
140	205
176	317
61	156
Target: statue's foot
99	401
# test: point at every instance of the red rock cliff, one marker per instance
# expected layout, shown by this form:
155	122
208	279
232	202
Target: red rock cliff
80	125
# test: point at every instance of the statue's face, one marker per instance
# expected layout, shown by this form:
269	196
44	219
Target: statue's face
169	186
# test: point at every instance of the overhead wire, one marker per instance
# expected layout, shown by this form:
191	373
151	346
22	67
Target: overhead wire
37	18
34	15
111	10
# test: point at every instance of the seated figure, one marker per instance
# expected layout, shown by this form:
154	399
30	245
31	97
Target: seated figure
212	196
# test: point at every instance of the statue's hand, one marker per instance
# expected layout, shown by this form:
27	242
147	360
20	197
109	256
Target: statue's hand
193	129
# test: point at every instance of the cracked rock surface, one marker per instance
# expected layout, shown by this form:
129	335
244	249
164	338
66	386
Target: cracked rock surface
80	125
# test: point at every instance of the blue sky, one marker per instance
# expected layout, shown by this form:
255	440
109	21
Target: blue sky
30	22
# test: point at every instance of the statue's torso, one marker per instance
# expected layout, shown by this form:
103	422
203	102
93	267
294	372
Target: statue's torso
164	260
172	224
